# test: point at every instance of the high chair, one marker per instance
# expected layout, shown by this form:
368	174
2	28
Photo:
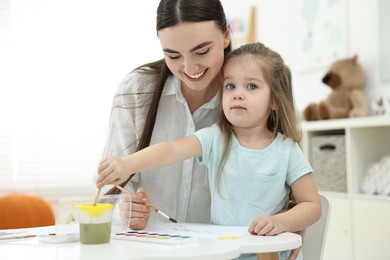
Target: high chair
314	237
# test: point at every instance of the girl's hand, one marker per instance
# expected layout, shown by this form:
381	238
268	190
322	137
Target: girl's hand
133	210
265	226
113	171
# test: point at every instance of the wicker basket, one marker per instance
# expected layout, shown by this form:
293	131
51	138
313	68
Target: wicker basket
327	156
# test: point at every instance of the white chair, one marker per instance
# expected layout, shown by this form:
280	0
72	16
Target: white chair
315	235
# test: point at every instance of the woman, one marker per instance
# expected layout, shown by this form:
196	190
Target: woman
168	99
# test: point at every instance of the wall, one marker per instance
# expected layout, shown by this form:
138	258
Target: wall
60	64
277	28
51	61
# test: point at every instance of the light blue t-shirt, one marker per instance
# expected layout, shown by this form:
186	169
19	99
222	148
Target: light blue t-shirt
253	182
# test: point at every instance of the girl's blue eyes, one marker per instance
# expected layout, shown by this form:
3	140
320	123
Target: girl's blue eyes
250	86
199	53
229	86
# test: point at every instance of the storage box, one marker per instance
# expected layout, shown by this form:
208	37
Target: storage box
327	156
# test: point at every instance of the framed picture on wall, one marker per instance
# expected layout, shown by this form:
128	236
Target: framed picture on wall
322	32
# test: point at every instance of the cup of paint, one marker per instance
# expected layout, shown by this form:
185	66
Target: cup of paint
95	223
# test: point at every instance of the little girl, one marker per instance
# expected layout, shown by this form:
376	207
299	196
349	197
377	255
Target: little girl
252	154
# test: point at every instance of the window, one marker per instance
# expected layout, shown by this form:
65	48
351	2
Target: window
60	64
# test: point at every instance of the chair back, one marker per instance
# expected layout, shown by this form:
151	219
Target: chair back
315	235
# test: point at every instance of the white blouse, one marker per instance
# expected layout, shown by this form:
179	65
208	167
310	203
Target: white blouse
180	190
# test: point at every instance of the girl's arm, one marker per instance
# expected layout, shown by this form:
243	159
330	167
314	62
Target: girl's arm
308	208
305	213
116	170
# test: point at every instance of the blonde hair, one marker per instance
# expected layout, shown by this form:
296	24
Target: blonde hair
283	118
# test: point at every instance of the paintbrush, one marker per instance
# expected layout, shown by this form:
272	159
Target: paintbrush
98	193
148	205
96	198
17	237
160	212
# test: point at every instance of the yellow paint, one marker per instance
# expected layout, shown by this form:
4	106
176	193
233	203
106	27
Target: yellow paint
228	237
96	210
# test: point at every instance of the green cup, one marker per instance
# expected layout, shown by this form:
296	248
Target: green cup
95	223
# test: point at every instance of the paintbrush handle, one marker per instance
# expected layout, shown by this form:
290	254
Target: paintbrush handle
17	237
162	214
148	205
97	197
123	189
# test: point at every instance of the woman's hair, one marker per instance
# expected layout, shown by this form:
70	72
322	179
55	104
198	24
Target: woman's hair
171	13
282	117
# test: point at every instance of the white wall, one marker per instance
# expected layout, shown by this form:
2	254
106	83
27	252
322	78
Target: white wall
60	64
133	32
276	27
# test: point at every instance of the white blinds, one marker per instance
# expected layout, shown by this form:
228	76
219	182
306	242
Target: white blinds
60	63
6	141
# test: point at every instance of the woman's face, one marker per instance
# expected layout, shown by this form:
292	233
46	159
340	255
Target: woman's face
194	52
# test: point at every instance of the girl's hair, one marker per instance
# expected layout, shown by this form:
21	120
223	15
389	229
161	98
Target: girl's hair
282	118
171	13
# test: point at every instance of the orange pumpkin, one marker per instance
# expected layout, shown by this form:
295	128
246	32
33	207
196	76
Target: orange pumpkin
21	210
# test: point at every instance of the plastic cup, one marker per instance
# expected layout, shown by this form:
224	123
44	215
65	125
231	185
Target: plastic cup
95	223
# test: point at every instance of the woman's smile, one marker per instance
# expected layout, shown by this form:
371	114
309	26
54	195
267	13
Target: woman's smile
198	76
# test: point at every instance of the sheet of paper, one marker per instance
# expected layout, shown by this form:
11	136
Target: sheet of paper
26	232
201	230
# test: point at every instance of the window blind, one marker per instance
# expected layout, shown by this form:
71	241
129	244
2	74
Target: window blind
60	64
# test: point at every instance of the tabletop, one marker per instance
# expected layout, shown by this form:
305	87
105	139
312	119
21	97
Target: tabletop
214	242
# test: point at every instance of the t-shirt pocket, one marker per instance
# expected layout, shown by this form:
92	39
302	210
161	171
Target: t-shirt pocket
266	190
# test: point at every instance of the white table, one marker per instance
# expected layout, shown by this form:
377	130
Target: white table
209	246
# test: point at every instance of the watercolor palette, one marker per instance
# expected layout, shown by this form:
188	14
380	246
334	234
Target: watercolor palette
155	237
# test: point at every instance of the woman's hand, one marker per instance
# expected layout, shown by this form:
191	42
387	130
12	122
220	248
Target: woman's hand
112	170
135	209
265	226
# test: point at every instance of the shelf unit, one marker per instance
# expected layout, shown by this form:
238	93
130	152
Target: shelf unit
358	224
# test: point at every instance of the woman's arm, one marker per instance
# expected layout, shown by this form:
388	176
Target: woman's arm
114	170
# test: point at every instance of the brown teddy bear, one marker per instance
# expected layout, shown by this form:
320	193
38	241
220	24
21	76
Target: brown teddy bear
347	80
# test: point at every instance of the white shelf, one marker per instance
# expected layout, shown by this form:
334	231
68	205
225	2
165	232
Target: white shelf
367	140
360	122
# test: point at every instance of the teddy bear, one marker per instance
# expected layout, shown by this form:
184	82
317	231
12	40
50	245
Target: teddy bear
347	79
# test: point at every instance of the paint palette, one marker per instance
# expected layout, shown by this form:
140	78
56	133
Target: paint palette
154	237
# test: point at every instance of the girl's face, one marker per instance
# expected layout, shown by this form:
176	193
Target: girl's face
194	52
246	98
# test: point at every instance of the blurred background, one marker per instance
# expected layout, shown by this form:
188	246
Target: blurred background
61	61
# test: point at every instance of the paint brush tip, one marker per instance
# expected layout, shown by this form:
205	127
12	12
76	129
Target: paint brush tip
173	220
